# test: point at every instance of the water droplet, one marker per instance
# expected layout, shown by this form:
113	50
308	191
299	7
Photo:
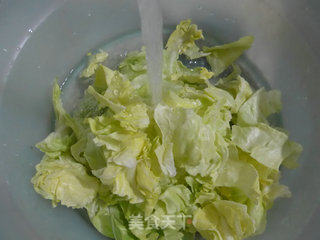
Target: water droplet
5	50
30	30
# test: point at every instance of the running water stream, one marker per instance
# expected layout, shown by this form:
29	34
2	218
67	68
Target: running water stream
151	28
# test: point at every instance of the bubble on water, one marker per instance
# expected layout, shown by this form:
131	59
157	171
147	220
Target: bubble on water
74	33
227	19
17	155
30	30
18	48
5	50
124	54
89	14
212	13
200	7
4	145
38	67
64	82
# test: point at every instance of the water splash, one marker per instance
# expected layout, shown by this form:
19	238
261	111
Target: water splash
151	28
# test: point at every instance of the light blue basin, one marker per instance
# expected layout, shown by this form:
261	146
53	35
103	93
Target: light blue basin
43	39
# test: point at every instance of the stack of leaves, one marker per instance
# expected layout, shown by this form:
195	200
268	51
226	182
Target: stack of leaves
203	160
